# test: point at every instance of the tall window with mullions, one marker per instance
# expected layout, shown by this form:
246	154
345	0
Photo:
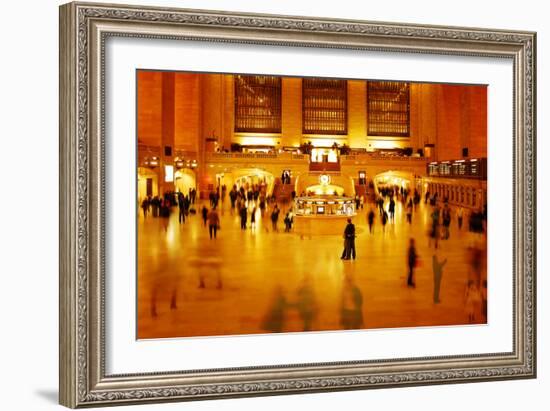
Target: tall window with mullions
257	104
388	108
324	106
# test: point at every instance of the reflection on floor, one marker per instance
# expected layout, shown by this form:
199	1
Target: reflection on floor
257	280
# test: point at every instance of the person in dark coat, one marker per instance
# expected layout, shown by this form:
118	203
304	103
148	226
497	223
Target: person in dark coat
275	217
164	213
384	220
181	206
349	241
253	218
213	222
446	219
391	209
370	218
288	222
204	212
243	215
233	197
145	207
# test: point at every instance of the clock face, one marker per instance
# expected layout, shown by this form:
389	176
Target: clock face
324	179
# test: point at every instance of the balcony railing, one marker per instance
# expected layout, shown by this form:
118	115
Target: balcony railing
356	158
235	157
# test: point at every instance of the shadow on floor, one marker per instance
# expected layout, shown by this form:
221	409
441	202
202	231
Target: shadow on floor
50	395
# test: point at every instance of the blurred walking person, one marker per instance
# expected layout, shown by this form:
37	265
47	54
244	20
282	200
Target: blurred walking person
164	212
233	197
204	213
155	203
412	260
351	311
384	220
182	208
473	301
306	304
435	231
274	320
459	217
243	215
275	218
409	211
288	222
446	219
391	209
438	273
370	218
253	218
145	206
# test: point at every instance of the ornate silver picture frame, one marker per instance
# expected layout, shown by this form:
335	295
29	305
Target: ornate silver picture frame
84	30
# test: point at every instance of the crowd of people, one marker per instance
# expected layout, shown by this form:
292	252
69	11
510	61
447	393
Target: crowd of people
441	215
248	202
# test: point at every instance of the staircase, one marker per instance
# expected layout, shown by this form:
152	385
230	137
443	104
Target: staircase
361	190
283	192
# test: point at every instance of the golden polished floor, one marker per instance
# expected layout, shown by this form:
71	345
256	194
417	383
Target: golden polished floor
259	281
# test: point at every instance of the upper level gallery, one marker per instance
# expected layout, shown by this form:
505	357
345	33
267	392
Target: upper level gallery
238	115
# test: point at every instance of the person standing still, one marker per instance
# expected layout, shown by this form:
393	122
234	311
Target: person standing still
213	222
349	241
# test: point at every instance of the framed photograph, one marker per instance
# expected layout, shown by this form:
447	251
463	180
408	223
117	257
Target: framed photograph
261	204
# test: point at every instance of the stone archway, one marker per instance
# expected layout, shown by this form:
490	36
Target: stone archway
403	179
243	176
185	179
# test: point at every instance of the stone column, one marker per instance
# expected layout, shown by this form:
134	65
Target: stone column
168	130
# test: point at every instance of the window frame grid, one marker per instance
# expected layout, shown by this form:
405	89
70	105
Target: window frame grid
327	115
251	114
400	125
